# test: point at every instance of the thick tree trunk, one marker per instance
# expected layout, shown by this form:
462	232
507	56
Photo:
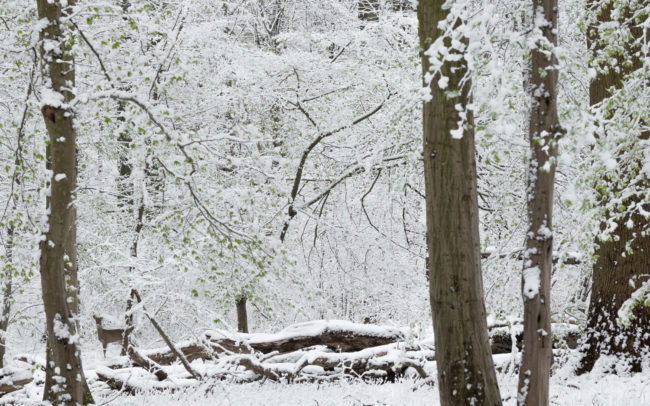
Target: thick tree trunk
544	132
242	316
465	366
612	273
616	264
65	383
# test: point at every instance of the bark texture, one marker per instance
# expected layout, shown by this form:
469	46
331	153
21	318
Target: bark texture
465	367
544	132
65	383
615	265
242	316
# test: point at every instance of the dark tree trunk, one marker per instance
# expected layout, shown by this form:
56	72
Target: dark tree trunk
242	316
465	366
65	383
617	263
543	133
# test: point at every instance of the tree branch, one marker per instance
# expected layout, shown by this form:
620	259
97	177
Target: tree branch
303	159
165	338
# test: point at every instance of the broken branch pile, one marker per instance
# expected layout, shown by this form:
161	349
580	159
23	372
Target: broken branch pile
318	350
312	351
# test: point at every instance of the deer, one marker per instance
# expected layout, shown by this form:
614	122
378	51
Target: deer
107	336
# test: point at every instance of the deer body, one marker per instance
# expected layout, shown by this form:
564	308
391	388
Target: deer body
107	336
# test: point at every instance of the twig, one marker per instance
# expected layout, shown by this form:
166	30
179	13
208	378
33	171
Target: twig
340	52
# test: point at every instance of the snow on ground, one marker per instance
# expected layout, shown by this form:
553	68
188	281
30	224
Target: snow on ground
595	389
599	388
591	389
602	390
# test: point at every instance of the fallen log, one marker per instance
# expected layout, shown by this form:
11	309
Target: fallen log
117	384
13	380
132	381
14	386
145	362
563	337
190	351
336	335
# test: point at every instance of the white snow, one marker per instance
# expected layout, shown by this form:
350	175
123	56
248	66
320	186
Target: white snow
531	278
311	328
50	97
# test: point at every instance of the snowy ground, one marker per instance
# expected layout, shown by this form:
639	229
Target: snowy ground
608	390
595	389
609	384
605	390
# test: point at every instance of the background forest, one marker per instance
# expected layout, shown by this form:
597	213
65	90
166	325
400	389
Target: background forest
269	153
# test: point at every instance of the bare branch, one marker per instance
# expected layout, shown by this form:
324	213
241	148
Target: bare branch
18	161
296	183
92	48
363	206
165	338
179	21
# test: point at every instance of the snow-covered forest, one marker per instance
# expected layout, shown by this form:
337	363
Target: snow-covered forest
329	202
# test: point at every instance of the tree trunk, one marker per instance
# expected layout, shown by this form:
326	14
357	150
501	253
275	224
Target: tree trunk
544	132
242	316
465	366
125	167
616	264
65	383
129	327
6	293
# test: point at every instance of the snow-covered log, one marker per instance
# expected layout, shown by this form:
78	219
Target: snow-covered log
145	362
164	356
337	335
12	380
564	336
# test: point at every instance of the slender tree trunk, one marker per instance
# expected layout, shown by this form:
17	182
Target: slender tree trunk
125	168
128	316
544	132
465	367
65	383
129	327
6	293
242	316
624	258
